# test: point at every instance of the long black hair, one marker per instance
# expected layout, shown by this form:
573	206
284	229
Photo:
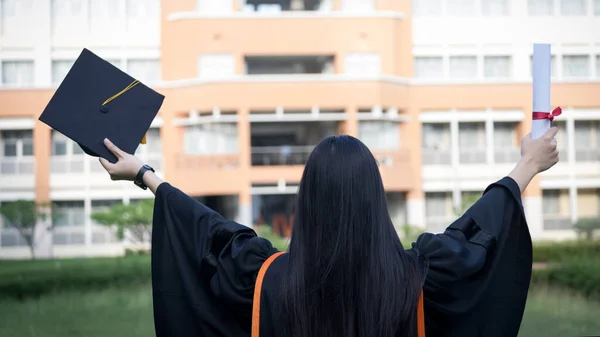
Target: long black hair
348	275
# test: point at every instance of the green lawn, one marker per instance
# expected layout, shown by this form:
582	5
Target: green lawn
127	312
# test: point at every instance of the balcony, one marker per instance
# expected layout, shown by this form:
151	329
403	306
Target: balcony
277	6
289	65
507	155
472	156
557	222
18	173
436	157
280	155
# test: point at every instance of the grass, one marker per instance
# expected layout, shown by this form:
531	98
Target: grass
127	312
551	312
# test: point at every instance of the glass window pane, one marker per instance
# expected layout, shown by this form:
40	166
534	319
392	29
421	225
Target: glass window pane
144	70
463	67
573	7
427	7
67	8
597	7
60	70
494	7
460	7
103	9
27	148
540	7
10	149
497	67
576	66
429	67
17	72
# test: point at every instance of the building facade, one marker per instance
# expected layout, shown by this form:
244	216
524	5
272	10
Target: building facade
439	90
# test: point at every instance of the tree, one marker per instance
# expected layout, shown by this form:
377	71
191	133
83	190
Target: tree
586	227
23	215
134	219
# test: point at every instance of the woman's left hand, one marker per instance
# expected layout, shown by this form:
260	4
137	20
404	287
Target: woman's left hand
126	167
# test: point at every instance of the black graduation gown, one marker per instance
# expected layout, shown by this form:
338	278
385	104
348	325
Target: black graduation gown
204	267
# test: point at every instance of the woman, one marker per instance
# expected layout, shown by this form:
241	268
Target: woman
346	273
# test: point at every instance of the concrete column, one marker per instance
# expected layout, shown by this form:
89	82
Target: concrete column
244	134
87	229
351	124
245	208
42	234
489	139
534	216
573	203
415	208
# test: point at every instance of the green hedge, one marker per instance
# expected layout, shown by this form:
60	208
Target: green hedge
24	279
581	276
568	250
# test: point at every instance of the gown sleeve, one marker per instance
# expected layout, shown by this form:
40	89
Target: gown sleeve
477	272
203	268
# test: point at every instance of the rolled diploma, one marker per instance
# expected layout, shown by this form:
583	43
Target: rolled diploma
541	87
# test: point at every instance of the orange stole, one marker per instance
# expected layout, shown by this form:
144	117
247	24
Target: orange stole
258	290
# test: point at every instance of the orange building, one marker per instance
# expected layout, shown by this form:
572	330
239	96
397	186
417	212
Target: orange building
440	91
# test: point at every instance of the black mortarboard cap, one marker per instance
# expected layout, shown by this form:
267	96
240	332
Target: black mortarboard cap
97	100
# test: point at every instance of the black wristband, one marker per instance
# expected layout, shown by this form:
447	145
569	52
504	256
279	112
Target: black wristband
139	182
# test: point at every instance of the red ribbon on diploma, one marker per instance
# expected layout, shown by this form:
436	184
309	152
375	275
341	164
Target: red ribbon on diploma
547	115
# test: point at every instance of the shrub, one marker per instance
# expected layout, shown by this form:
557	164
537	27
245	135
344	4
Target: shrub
278	242
24	279
580	276
568	250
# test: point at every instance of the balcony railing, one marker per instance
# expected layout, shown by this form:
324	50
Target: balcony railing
507	155
557	222
68	235
10	237
280	155
64	164
436	157
587	155
472	156
17	165
192	162
391	158
438	224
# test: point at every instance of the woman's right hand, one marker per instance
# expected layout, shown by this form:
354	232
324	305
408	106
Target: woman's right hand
541	153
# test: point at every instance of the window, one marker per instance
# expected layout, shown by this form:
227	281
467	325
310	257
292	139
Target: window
115	62
587	141
60	70
540	7
504	135
598	66
497	67
427	7
463	67
18	73
103	9
207	139
144	70
63	146
597	7
494	7
551	201
143	8
576	66
16	8
436	136
471	136
362	64
17	143
216	65
573	7
429	67
379	135
436	204
435	142
506	149
460	7
67	8
69	213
